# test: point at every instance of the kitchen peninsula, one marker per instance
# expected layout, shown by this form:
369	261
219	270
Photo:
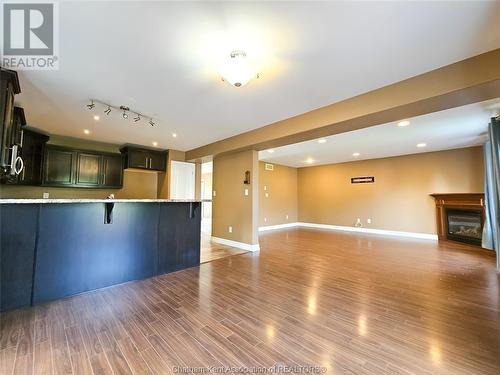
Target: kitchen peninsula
55	248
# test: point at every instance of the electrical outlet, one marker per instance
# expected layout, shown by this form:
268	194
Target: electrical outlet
230	229
46	195
369	221
267	195
246	192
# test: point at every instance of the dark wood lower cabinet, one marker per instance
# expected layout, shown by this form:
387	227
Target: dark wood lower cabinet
50	251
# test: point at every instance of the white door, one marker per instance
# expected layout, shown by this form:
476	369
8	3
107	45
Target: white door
182	180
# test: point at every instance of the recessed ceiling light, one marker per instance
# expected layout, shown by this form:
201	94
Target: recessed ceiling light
421	144
404	123
96	118
310	160
356	154
174	135
155	144
86	131
322	140
270	150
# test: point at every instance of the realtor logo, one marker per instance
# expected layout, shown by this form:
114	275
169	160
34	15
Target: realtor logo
29	35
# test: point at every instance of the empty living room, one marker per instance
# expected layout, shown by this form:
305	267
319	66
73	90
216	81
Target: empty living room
240	187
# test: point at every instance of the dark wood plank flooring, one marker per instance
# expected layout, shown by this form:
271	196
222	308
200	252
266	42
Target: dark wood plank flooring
351	303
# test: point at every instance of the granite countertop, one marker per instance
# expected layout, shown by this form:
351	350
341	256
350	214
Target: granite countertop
52	200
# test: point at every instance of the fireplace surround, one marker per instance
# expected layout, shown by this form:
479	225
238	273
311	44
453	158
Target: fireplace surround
460	217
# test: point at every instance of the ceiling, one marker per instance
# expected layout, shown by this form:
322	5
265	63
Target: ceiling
161	59
454	128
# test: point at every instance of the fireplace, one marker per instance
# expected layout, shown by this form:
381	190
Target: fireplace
459	217
464	225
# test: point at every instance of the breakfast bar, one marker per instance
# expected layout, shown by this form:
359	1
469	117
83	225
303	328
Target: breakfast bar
55	248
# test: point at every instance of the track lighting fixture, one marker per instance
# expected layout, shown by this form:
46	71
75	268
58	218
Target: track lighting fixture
125	111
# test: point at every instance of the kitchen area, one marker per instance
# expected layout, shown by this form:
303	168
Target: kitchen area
79	215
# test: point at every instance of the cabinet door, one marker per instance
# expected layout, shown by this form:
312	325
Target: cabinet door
59	167
32	155
157	161
112	171
88	169
138	159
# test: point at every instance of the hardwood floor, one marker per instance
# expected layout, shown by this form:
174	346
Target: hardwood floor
211	251
352	303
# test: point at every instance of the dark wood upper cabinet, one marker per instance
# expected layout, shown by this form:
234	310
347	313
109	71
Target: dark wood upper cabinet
59	166
112	171
9	87
142	158
33	145
88	169
66	167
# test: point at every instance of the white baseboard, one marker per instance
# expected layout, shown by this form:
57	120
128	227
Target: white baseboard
278	226
239	245
426	236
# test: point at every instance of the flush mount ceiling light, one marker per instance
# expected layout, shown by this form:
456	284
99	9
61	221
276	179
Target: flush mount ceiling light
403	123
356	154
310	160
270	150
174	135
125	111
420	145
155	144
322	140
236	69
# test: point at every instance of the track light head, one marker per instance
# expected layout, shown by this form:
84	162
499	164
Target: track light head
108	111
91	105
125	110
137	118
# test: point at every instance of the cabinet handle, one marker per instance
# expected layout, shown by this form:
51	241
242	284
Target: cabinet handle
22	138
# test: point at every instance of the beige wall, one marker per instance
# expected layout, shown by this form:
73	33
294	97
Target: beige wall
280	185
230	205
398	200
136	183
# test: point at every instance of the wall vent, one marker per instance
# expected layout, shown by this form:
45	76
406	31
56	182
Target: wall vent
269	167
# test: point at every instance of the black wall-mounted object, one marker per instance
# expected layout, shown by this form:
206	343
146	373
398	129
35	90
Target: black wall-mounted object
66	167
143	158
247	178
362	180
55	250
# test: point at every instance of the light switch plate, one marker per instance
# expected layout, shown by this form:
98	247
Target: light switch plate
46	195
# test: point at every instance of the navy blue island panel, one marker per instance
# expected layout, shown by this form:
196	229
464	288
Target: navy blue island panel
56	250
